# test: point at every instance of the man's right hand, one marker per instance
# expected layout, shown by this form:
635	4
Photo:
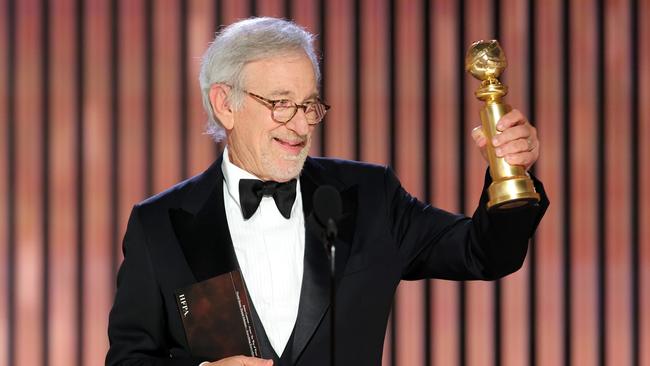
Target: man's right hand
241	361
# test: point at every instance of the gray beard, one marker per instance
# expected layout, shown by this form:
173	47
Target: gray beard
290	172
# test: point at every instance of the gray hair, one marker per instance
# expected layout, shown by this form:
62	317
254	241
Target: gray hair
243	42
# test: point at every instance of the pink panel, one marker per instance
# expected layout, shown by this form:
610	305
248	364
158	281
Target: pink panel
29	263
410	326
549	348
4	162
339	78
644	184
445	323
409	96
97	272
200	33
63	310
583	201
270	8
234	10
374	92
166	94
306	13
617	130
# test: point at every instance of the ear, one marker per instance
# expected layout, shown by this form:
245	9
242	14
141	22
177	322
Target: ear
221	106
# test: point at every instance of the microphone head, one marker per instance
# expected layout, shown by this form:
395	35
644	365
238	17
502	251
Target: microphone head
327	204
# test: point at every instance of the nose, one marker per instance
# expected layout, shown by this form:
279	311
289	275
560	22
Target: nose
298	123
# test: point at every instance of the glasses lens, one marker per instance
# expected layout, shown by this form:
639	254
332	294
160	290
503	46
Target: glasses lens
314	112
284	110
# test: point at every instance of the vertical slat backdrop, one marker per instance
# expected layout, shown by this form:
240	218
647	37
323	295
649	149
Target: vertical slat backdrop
5	181
100	107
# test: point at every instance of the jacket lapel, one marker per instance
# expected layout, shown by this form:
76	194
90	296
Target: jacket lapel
314	294
202	229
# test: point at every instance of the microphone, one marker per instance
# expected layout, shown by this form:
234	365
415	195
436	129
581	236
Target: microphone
328	208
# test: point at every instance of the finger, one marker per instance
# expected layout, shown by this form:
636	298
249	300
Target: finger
252	361
479	136
480	140
525	159
514	133
242	361
512	118
514	147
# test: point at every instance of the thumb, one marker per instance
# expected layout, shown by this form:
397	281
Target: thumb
252	361
479	137
480	140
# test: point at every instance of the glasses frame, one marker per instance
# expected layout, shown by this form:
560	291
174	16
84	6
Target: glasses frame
270	104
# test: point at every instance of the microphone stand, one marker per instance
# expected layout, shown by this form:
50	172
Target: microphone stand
330	236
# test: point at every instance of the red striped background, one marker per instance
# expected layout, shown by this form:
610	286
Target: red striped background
100	107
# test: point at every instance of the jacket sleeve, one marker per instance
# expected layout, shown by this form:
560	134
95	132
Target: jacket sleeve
433	243
136	326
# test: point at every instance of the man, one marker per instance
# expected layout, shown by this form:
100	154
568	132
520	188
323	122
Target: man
260	87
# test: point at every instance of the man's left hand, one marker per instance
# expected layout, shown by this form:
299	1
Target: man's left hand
517	141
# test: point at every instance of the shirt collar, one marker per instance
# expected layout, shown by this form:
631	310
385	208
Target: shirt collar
232	174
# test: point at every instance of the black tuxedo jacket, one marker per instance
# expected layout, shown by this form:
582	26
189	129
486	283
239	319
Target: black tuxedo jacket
181	236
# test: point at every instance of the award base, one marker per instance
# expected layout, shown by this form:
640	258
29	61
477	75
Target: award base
511	193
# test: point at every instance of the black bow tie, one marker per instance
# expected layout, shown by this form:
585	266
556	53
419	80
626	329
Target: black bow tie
251	192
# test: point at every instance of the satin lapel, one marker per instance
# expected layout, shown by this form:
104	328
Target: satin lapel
202	229
314	294
346	225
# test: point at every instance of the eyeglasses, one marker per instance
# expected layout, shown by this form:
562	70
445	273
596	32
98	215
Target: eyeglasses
283	110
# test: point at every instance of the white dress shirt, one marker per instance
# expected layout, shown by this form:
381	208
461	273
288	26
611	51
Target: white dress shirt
270	251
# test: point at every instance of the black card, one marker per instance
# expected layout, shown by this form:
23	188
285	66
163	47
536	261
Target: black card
217	317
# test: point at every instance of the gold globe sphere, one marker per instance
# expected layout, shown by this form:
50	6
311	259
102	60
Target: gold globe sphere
485	60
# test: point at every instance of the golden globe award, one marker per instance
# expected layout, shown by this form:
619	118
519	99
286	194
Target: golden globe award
511	186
